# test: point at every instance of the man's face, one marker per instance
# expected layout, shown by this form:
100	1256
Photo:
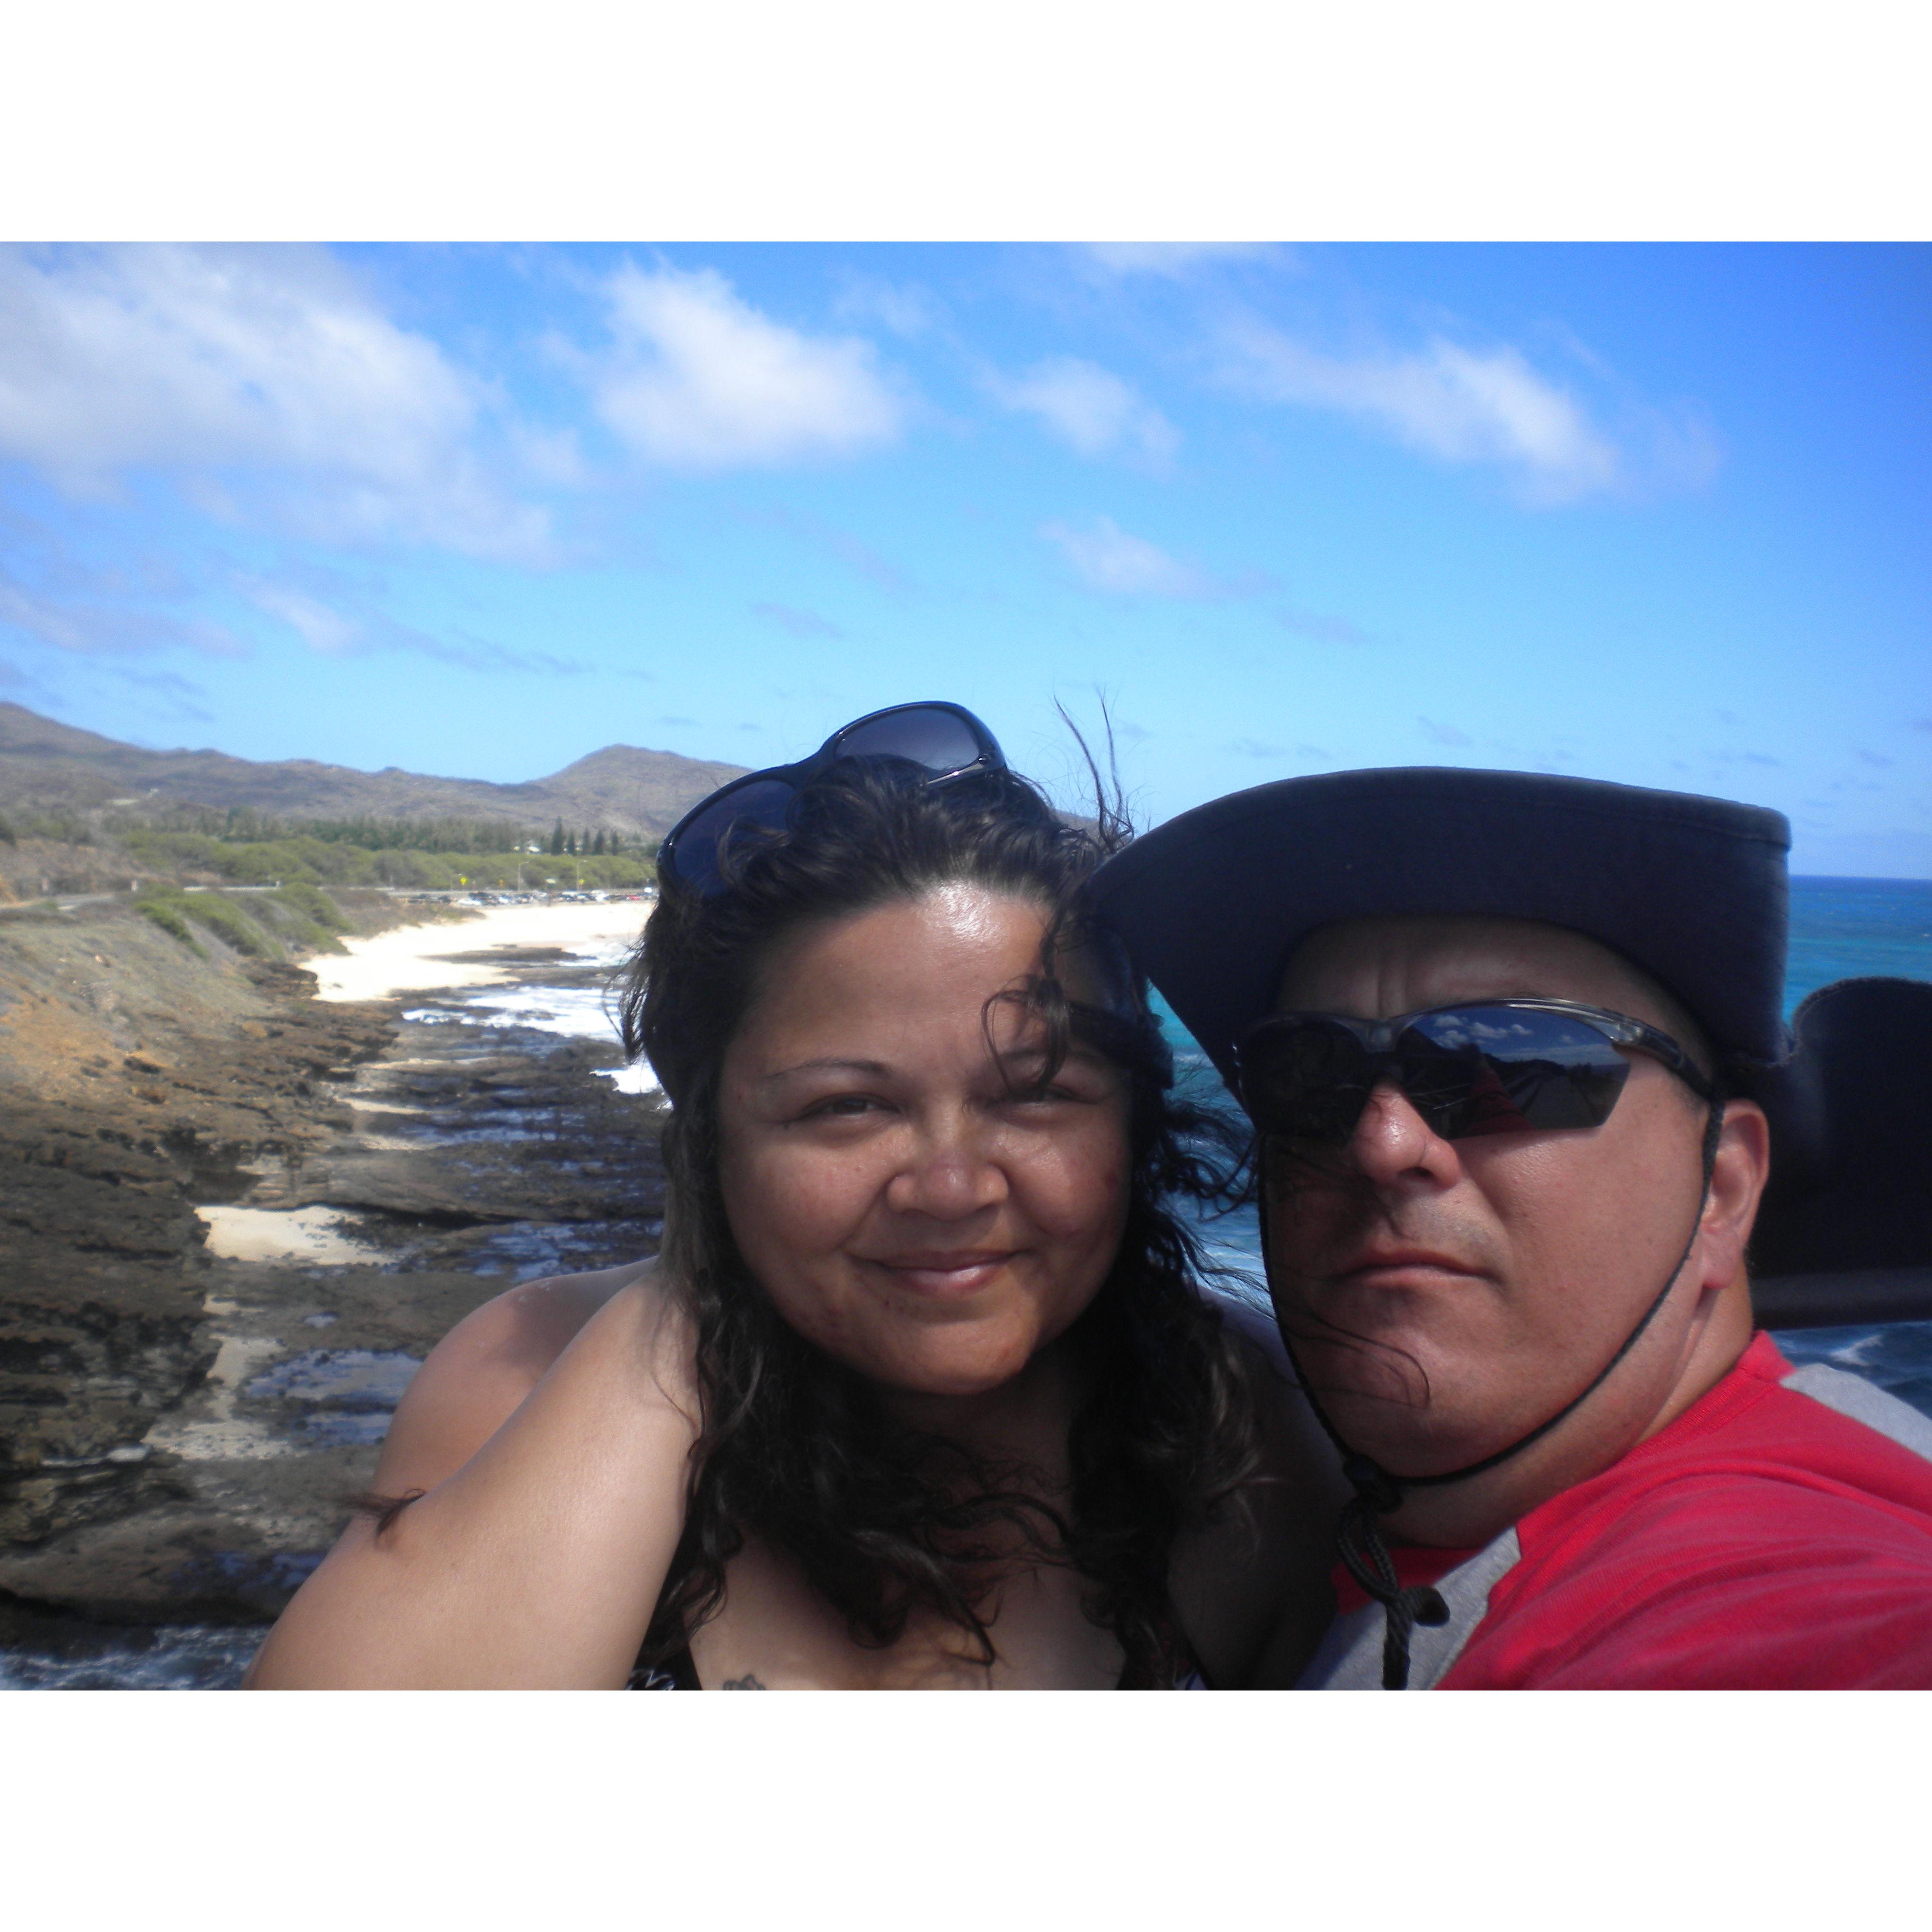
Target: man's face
1445	1298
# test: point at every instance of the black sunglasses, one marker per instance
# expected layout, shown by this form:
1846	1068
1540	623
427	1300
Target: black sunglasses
941	741
1490	1066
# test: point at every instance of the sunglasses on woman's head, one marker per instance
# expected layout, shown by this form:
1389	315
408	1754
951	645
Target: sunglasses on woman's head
1487	1066
941	742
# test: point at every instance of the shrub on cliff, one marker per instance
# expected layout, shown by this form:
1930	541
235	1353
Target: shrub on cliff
314	905
304	862
227	920
279	861
170	908
165	913
303	916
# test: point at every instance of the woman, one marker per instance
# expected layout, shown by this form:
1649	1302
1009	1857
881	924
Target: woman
919	1392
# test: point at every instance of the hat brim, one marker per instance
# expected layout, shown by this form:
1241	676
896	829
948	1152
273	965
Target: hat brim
1212	905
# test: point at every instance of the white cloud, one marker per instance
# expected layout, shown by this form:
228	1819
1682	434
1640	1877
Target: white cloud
1089	408
1107	559
320	628
104	625
332	617
1174	261
904	308
1450	402
204	363
857	556
700	380
1324	627
797	623
56	595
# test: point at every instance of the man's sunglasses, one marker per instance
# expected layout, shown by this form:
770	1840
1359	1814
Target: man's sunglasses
1491	1067
941	742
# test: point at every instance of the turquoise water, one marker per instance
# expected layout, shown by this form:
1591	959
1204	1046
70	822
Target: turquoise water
1845	928
1840	929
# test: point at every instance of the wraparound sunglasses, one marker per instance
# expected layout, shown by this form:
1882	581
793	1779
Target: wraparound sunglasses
1488	1066
942	741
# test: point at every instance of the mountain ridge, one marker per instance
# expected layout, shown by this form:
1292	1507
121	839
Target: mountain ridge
625	788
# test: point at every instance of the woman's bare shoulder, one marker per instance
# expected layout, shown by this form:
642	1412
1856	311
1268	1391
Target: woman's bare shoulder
477	1376
524	1329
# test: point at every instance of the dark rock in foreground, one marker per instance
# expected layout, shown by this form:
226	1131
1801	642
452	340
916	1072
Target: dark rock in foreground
183	1431
135	1082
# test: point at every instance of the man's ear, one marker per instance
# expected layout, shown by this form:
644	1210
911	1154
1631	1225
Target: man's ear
1738	1176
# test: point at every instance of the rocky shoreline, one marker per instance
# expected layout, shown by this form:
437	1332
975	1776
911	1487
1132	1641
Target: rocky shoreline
235	1219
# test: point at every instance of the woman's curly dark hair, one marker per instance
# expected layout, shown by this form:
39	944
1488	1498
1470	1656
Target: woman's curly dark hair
800	1450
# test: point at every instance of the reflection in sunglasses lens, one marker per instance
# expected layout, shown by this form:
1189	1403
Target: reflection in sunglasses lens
935	739
1468	1071
1547	1070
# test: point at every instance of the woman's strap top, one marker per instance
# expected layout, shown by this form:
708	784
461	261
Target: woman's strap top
678	1673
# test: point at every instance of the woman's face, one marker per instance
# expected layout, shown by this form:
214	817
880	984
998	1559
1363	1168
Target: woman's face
916	1206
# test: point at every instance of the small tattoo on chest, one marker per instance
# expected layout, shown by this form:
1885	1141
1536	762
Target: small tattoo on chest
747	1682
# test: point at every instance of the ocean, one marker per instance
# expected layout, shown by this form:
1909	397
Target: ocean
1840	929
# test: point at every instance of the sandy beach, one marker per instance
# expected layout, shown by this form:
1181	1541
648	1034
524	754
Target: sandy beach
443	957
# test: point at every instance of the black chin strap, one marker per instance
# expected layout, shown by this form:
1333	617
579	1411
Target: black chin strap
1358	1536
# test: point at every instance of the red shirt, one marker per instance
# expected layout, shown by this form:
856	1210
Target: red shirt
1763	1540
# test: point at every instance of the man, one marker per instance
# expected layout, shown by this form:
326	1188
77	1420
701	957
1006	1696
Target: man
1495	1032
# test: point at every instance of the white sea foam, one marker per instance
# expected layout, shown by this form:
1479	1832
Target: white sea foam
636	1078
571	1012
574	1012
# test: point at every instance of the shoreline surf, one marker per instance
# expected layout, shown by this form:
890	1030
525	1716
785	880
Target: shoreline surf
440	956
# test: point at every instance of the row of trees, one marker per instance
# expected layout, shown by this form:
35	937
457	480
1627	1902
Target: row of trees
573	844
313	861
242	825
61	825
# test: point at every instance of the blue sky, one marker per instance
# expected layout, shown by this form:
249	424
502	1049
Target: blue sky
1653	514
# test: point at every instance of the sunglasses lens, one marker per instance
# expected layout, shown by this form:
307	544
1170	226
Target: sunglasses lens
923	735
760	805
1467	1071
1305	1081
1500	1069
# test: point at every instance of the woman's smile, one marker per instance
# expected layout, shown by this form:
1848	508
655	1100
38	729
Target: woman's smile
944	1276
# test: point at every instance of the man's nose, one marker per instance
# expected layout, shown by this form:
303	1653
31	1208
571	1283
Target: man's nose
1392	1139
950	1171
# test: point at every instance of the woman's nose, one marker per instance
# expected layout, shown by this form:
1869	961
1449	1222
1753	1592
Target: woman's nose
950	1173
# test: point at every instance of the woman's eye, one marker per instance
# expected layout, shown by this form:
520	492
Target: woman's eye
1054	1095
840	1106
1077	1082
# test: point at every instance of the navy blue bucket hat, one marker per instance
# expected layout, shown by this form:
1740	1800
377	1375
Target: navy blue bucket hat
1692	890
